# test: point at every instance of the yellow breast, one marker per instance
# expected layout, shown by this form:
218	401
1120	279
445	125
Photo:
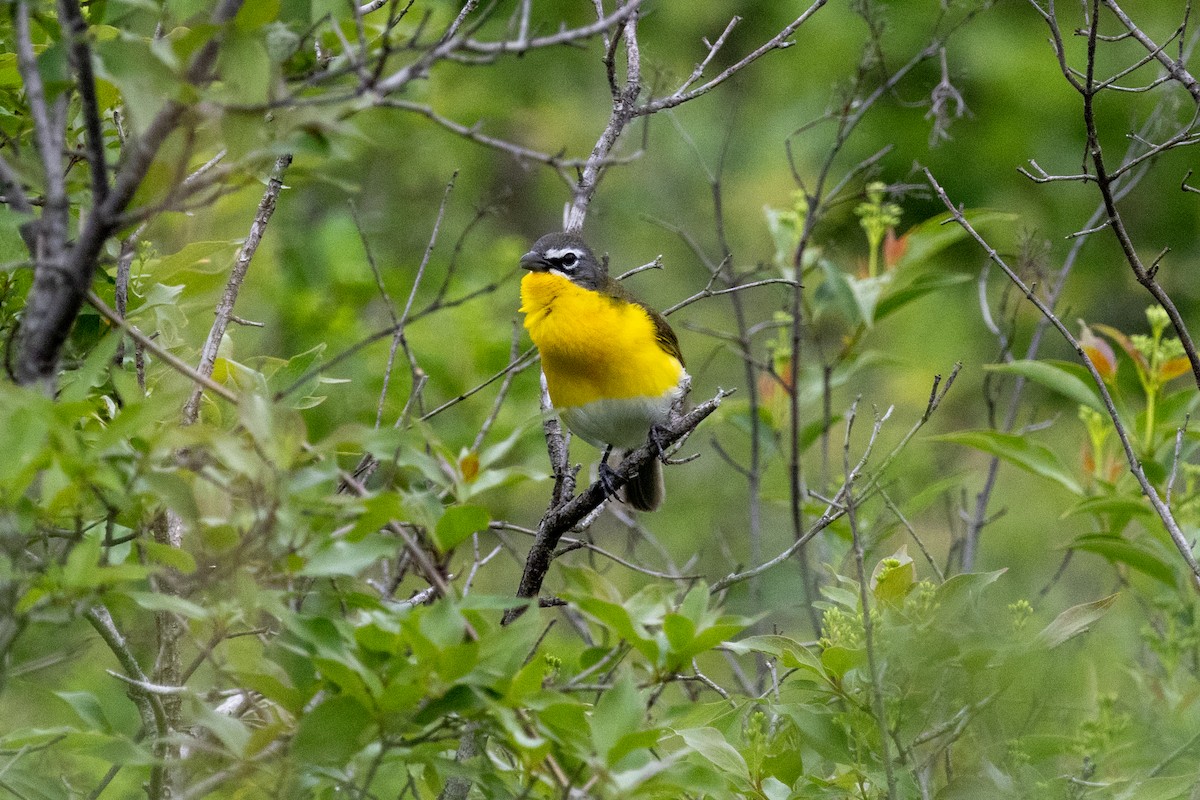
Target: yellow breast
593	347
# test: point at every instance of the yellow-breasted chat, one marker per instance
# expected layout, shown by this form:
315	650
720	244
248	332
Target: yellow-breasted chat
612	364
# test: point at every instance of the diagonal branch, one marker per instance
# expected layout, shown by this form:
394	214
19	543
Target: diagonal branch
569	512
224	311
778	42
1174	68
1135	464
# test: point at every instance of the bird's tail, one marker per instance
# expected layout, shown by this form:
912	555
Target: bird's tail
645	490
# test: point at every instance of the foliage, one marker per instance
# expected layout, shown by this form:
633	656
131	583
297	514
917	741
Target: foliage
276	556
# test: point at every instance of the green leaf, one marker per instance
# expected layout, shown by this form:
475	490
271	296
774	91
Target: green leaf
1121	504
927	239
866	292
893	578
377	512
838	660
619	711
1017	450
156	601
145	80
347	557
710	744
920	286
1056	378
229	731
680	632
254	15
790	653
617	617
331	733
83	564
836	294
457	524
175	557
245	69
78	383
1122	551
966	586
1074	621
88	708
197	257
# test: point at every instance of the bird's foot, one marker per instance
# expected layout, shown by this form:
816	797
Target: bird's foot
660	440
608	479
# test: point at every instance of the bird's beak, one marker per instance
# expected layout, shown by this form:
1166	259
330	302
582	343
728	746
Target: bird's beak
534	262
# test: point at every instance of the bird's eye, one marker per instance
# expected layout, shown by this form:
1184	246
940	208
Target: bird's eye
569	260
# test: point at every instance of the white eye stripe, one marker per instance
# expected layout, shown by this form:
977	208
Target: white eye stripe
560	253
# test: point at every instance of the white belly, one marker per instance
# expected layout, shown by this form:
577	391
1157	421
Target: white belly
623	423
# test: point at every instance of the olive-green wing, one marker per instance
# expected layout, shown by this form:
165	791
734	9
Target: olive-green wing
663	334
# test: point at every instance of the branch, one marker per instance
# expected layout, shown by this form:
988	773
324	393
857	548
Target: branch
167	357
224	312
1174	68
864	594
149	704
1145	276
623	107
75	29
835	508
1135	465
563	516
567	36
61	281
682	95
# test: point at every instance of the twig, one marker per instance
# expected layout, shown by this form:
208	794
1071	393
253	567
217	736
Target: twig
1135	465
562	517
167	357
1175	68
708	292
682	94
224	310
864	596
835	508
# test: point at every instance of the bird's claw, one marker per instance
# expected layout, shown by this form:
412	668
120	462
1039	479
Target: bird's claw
608	479
660	439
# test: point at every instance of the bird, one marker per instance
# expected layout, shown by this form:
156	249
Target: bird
612	364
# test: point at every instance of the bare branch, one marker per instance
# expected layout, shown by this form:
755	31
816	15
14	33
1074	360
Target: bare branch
709	292
224	311
571	511
1135	464
75	29
777	42
566	36
1174	68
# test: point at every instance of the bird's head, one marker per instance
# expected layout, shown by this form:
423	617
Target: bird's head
567	255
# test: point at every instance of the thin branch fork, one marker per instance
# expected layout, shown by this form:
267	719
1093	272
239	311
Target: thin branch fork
836	507
681	95
1174	68
1135	465
569	512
